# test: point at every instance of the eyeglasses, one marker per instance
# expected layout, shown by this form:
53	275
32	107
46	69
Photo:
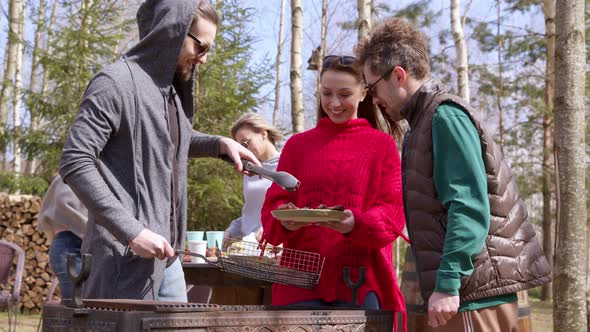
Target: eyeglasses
371	87
203	48
344	60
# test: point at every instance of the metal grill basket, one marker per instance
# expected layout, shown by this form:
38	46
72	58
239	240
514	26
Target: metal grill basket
274	264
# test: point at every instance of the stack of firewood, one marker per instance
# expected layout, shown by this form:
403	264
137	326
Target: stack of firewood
18	224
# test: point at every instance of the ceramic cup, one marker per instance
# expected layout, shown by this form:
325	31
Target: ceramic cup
213	237
197	247
194	236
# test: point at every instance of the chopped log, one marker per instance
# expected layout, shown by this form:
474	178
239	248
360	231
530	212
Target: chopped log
18	224
35	207
30	255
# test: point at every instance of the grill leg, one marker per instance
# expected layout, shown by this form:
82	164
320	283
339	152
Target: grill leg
354	286
77	279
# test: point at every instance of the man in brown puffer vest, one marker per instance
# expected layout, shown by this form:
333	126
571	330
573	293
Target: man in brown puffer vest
469	228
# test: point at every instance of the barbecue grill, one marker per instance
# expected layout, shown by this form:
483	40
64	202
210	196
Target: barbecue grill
122	315
130	316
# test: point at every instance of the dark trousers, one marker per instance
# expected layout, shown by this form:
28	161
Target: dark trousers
63	244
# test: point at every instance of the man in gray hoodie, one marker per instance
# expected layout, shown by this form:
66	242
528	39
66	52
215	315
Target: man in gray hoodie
127	152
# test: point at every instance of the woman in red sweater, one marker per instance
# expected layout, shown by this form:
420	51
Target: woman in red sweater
345	160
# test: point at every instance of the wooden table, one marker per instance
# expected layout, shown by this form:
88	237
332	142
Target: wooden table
226	288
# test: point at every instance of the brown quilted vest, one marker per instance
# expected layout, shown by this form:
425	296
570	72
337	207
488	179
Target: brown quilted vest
511	259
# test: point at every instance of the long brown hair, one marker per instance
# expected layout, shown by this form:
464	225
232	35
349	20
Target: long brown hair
366	109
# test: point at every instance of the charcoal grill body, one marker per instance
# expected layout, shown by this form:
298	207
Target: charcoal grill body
161	317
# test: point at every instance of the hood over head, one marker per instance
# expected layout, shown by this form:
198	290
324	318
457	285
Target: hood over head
163	25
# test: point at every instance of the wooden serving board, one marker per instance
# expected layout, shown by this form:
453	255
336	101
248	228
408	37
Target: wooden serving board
309	215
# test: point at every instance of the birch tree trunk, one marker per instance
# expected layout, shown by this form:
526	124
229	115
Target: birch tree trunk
322	50
10	56
569	306
460	50
500	92
275	112
17	101
35	69
36	49
44	81
8	81
548	228
297	112
365	18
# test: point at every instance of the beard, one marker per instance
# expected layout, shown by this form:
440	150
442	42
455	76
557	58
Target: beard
184	72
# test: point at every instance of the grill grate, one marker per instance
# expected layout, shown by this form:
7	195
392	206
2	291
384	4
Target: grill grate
274	264
142	305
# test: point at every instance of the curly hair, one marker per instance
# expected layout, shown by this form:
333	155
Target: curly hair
395	42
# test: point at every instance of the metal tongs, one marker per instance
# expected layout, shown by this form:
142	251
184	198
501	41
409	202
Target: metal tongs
283	179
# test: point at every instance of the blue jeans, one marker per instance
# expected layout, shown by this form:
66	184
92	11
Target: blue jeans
63	244
173	287
371	302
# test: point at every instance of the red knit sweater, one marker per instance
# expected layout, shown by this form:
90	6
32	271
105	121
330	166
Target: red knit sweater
356	166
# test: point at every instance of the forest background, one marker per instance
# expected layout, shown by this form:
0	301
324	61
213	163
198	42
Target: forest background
499	55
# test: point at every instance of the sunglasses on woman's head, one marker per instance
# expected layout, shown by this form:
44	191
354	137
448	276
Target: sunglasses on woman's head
345	60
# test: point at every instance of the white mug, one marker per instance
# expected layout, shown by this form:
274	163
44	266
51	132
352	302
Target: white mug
197	247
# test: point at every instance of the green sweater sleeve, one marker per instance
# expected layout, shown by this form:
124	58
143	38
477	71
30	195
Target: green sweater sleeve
461	183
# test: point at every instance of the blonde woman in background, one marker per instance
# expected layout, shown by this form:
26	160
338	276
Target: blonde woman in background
257	135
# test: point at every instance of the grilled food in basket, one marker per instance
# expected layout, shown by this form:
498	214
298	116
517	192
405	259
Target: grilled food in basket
251	252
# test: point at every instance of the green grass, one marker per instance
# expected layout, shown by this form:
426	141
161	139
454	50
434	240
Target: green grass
542	315
25	322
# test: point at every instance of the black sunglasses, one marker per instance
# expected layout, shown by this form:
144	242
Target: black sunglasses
203	48
345	60
371	87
